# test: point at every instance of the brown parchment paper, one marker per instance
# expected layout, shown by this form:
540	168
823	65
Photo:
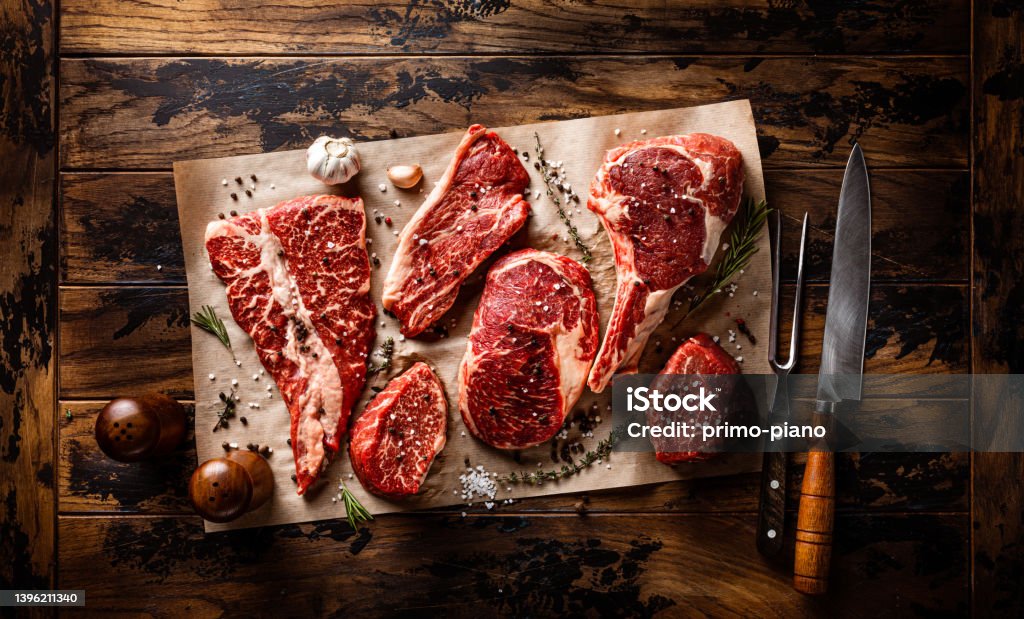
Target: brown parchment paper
580	145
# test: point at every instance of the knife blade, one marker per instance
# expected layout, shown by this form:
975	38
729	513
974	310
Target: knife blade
841	373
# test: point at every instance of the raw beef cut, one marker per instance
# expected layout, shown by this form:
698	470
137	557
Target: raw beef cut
475	207
664	203
534	337
397	437
703	362
298	282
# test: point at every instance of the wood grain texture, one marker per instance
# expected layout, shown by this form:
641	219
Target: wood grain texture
353	27
28	293
814	525
119	228
998	299
146	113
514	565
881	483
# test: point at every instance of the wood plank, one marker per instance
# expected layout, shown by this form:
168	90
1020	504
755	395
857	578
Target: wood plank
119	228
303	26
146	113
28	294
998	295
512	565
122	340
90	482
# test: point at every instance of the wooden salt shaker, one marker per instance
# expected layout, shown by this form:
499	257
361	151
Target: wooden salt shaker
143	428
223	489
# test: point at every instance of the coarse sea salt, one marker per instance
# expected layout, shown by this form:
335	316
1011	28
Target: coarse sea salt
477	483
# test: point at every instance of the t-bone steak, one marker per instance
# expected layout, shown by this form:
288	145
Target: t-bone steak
534	337
298	282
664	203
397	437
698	363
476	206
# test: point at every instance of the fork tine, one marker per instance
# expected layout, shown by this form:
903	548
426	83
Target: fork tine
795	332
773	321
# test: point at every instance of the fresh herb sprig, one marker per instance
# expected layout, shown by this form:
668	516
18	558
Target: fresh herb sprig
228	412
602	451
742	247
355	513
385	351
553	189
207	320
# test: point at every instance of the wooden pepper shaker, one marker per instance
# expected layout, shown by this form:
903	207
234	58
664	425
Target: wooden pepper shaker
142	428
223	489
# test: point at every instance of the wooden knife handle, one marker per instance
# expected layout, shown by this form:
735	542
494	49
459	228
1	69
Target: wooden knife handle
771	518
814	524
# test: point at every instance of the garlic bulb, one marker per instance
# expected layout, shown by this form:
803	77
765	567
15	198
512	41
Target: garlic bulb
332	160
405	176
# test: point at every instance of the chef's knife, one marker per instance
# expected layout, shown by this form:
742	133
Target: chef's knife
841	373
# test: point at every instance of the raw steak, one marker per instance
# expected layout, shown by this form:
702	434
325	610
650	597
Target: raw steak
396	438
475	207
534	336
664	203
699	355
298	282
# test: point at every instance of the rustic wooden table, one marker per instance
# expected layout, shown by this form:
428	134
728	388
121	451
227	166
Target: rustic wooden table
100	96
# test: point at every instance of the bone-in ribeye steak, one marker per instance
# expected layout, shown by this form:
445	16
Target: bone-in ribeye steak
475	207
397	437
298	282
533	339
700	360
664	203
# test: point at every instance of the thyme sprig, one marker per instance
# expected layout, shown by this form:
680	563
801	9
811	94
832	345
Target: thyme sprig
228	412
602	451
207	320
742	247
553	188
385	351
355	513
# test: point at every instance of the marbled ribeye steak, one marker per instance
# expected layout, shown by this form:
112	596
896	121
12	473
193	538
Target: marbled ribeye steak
533	339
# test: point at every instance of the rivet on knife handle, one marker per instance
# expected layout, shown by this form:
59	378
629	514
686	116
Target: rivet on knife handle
771	518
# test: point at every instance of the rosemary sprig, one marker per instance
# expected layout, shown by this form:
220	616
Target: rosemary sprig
228	412
742	247
552	190
207	320
385	352
355	513
602	451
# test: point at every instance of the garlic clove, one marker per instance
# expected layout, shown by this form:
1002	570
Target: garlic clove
405	176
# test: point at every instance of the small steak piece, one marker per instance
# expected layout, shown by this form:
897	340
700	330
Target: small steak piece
697	356
305	302
534	337
397	437
475	207
664	203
